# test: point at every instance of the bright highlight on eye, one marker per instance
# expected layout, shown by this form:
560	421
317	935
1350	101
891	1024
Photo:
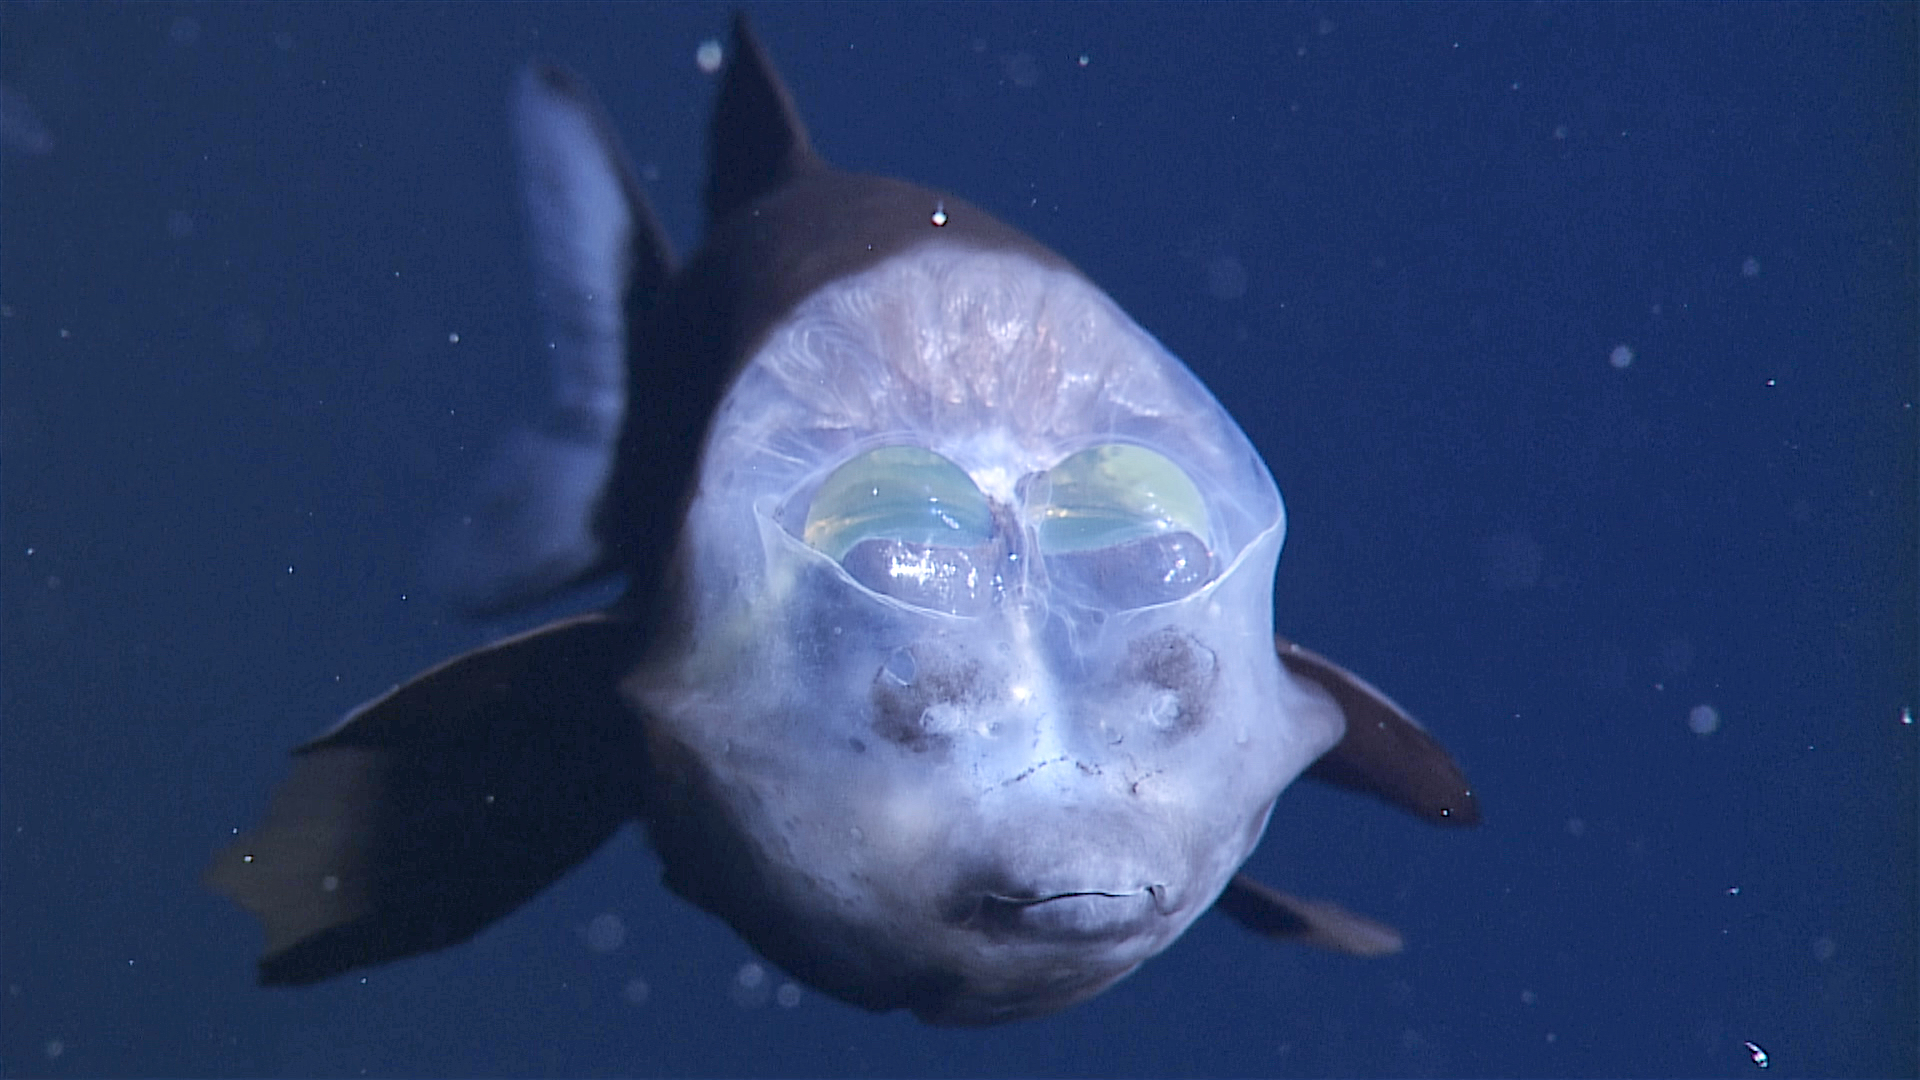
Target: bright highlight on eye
897	493
1112	495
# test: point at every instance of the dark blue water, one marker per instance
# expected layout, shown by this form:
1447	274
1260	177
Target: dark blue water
265	307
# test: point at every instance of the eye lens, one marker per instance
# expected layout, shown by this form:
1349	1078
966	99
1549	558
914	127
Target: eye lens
1123	524
902	494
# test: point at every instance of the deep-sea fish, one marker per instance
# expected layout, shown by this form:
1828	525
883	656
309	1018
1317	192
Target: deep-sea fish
945	670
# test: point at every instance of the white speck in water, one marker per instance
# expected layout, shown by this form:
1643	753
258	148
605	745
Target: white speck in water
636	991
1226	277
1511	561
1621	357
1703	720
606	932
709	56
750	986
1022	69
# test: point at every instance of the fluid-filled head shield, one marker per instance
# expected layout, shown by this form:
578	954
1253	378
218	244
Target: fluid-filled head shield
974	648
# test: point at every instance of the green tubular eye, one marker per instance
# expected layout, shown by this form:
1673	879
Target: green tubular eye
897	493
1111	495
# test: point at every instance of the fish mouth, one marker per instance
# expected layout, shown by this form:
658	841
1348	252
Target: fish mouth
1075	913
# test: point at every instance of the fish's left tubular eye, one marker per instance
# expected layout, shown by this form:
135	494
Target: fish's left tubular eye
1122	525
907	523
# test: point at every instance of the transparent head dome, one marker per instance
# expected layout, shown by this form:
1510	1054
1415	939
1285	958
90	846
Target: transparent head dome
991	408
977	604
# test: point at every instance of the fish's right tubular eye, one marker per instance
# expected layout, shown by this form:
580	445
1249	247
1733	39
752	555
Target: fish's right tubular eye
1122	526
907	523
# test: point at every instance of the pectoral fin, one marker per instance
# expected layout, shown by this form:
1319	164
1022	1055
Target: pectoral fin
1385	752
1271	913
434	810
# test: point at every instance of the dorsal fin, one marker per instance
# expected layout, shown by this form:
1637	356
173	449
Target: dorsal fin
757	139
